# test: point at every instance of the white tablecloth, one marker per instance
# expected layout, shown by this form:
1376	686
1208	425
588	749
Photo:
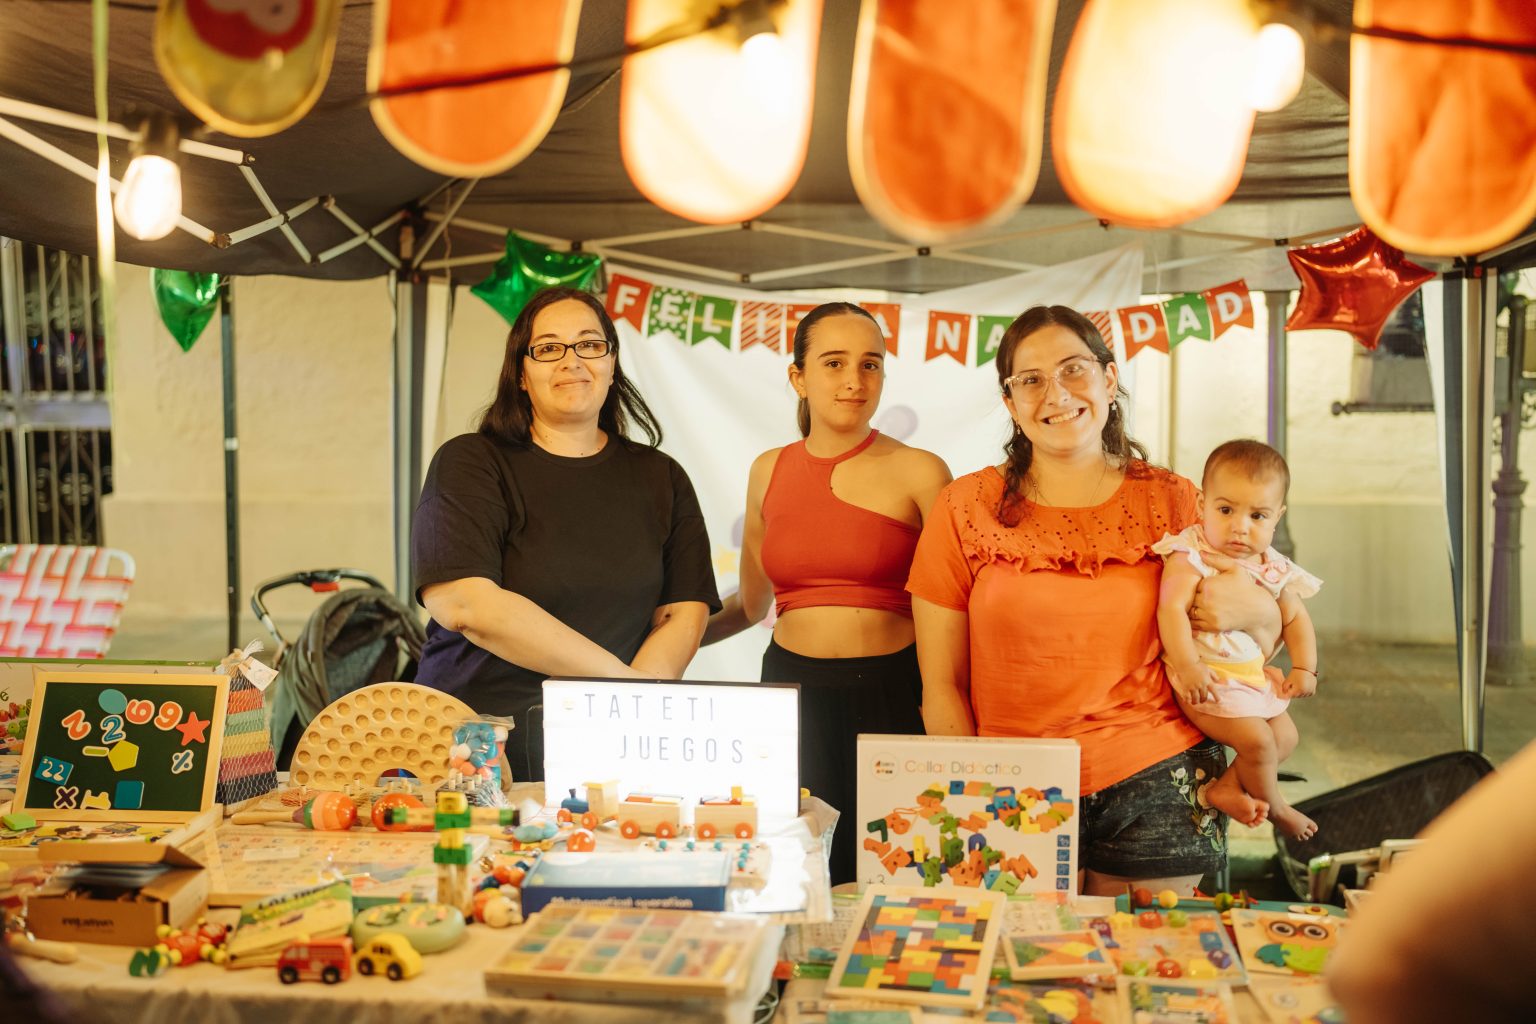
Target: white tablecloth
450	988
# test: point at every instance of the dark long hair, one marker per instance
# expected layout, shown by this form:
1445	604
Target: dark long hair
510	415
803	345
1018	449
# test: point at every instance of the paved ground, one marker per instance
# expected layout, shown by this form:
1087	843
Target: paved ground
1378	706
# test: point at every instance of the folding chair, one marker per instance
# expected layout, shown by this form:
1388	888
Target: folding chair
61	601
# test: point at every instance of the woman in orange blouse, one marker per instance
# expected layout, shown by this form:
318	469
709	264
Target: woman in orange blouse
1035	604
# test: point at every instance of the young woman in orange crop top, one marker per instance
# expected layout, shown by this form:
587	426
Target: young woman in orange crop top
830	528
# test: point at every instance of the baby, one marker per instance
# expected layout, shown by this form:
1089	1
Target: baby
1219	677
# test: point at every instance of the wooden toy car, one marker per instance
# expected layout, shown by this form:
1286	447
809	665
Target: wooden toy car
327	960
601	805
651	813
185	947
390	953
734	815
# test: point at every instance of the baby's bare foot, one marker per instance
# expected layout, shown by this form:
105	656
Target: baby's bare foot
1289	821
1229	798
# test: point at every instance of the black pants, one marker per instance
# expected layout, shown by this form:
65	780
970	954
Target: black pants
840	698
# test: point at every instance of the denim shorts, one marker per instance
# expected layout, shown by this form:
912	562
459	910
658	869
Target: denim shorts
1151	825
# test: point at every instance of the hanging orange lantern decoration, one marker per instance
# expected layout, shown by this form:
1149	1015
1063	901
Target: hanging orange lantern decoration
478	130
945	121
714	127
1442	140
1153	110
249	69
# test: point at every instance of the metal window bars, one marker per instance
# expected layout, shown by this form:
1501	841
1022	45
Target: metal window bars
55	425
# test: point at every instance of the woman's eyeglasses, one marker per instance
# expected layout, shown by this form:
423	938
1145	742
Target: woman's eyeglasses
1074	375
554	351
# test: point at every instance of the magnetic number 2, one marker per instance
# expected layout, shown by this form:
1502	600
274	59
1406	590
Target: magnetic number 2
78	727
112	729
181	761
53	770
169	716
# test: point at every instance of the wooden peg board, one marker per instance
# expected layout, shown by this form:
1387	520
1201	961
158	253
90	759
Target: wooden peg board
377	728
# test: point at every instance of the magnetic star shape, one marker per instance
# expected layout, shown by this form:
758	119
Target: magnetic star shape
1352	284
194	729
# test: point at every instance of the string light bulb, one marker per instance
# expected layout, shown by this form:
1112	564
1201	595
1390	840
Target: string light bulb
1279	64
763	52
148	202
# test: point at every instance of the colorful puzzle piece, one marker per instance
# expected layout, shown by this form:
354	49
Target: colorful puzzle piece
123	755
914	946
128	795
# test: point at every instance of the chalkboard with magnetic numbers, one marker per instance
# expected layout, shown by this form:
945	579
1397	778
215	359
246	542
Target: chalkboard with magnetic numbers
114	746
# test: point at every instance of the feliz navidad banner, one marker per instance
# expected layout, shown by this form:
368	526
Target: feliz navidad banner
694	318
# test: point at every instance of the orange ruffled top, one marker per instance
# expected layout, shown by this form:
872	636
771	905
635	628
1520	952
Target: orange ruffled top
1063	615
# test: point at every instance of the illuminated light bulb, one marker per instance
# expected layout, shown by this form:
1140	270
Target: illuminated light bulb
148	202
1279	62
767	68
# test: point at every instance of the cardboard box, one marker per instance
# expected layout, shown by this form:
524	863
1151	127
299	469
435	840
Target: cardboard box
997	812
125	916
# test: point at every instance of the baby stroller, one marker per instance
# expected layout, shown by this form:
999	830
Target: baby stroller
358	637
1353	822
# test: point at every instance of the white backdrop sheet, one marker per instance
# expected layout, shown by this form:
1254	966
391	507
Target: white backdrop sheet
720	408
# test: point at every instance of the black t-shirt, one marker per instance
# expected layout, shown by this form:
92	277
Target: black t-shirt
598	542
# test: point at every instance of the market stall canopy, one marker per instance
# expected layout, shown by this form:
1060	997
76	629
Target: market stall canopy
573	187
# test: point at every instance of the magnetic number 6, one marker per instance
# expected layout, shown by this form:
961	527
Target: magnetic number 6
139	711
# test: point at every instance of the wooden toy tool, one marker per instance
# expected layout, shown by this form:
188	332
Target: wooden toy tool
330	812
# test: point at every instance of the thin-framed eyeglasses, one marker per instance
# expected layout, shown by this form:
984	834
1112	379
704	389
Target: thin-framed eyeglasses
554	351
1074	375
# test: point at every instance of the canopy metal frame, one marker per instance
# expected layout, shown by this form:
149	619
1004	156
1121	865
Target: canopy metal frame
12	110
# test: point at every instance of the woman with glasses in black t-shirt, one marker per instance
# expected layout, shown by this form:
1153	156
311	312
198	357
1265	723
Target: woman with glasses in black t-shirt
549	543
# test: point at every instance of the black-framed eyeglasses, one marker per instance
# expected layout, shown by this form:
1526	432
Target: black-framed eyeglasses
554	351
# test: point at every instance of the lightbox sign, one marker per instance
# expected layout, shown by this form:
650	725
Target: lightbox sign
687	739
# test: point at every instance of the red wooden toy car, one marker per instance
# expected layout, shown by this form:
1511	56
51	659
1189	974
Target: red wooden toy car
327	960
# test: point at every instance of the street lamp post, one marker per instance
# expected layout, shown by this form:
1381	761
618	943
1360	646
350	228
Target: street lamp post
1506	646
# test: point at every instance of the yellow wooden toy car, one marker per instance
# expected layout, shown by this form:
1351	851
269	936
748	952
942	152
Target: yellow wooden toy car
391	954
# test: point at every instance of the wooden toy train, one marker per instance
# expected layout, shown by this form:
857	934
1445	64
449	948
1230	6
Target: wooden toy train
659	815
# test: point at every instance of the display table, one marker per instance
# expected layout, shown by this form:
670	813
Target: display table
805	1002
450	988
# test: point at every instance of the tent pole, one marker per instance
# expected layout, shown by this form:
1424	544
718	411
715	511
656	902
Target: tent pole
1476	394
1277	406
231	462
410	353
12	303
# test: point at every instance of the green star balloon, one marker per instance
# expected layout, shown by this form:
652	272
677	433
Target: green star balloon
187	301
528	267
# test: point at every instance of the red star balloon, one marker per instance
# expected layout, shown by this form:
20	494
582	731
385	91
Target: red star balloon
1352	284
